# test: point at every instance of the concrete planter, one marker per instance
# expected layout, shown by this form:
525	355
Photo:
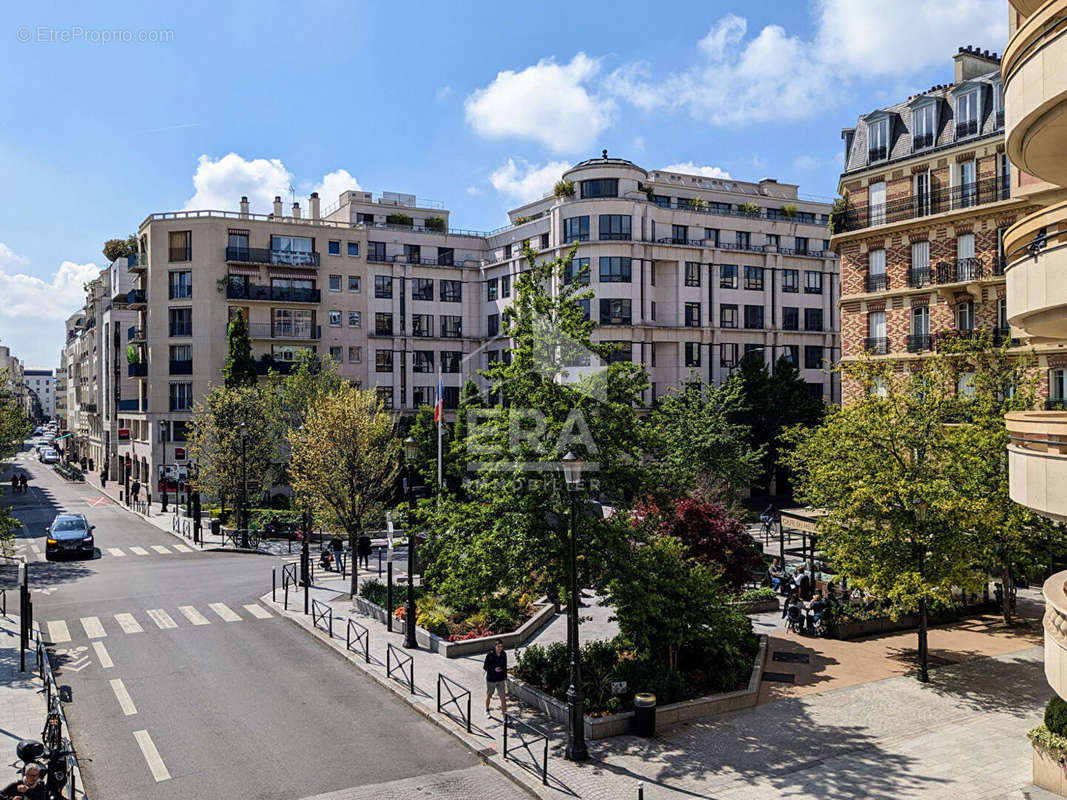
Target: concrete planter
667	715
1049	772
435	644
757	606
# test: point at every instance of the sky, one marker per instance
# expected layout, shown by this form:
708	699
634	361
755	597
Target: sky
115	111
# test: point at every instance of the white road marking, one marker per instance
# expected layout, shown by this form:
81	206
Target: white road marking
58	631
161	618
160	549
125	701
258	611
138	551
116	552
36	550
102	655
128	623
181	548
194	616
93	628
151	756
224	611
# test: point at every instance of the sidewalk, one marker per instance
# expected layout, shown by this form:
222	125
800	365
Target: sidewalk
22	703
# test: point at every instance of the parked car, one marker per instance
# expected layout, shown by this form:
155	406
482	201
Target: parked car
49	456
69	533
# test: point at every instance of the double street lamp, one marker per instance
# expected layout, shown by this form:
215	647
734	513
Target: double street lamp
411	452
576	749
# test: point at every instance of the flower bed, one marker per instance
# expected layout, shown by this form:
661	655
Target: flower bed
755	601
854	622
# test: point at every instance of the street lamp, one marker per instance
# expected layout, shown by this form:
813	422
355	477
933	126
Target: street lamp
576	749
163	440
411	451
243	517
920	508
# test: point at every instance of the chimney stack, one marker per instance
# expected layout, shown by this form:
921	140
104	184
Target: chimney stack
277	206
244	206
296	210
313	205
972	62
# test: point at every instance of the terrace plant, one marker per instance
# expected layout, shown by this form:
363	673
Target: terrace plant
434	224
563	188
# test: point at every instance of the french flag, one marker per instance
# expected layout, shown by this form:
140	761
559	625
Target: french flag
439	406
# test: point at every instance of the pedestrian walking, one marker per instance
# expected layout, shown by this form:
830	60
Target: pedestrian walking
14	483
363	550
496	673
337	545
135	490
23	482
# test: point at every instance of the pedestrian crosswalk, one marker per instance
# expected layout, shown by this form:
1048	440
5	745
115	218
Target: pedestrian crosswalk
115	552
99	627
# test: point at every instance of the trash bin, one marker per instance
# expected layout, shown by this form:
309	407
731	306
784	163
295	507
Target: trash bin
216	527
645	714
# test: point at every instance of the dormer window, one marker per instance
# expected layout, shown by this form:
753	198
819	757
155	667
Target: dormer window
967	114
878	140
998	105
923	126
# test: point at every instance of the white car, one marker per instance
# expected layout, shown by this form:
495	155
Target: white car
49	456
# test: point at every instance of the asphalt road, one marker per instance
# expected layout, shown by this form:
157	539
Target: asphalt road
183	686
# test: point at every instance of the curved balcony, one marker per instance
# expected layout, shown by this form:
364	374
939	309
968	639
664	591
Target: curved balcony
1037	256
1035	93
1055	591
1037	461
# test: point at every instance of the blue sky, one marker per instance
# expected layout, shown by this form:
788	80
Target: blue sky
477	105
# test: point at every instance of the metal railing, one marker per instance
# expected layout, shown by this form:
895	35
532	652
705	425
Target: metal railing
405	664
277	294
267	330
361	640
917	342
965	129
181	367
921	141
950	198
917	278
264	255
525	744
878	346
877	154
322	616
876	283
56	719
134	332
135	296
456	693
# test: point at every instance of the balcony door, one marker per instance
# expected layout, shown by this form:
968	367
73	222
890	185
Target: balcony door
920	321
876	202
293	323
921	193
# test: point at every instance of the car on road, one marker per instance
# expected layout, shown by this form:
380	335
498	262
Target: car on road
69	534
48	456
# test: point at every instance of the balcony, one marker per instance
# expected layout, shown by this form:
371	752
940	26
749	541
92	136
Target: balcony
965	129
130	405
1035	94
961	270
137	262
265	330
1036	248
877	346
263	255
136	297
265	364
958	340
135	334
181	367
138	370
900	209
918	278
922	141
1055	628
917	342
876	283
1037	461
272	294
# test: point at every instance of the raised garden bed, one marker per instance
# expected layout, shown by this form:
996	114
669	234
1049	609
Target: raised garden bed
855	629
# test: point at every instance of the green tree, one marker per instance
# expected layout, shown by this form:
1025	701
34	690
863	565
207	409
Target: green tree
240	368
14	424
117	248
345	460
423	430
470	398
290	397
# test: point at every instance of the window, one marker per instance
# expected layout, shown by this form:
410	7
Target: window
728	276
420	395
181	396
1002	313
615	311
968	189
353	248
791	353
813	319
922	127
413	253
236	245
920	321
728	354
355	354
544	241
965	315
383	360
292	322
181	285
614	269
790	318
615	227
355	283
423	361
790	280
876	270
492	325
336	354
812	356
711	237
753	317
376	251
181	321
876	203
754	278
383	324
876	325
181	359
576	229
692	273
505	286
385	394
878	140
728	316
291	249
451	360
800	244
333	247
680	234
422	289
491	289
965	386
692	315
335	283
812	282
652	306
507	251
446	256
451	326
967	114
622	354
450	397
773	240
602	187
578	267
422	324
744	240
1057	384
451	291
692	354
383	287
180	245
335	319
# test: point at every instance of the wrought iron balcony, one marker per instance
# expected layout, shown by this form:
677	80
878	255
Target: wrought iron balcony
275	294
877	154
184	367
878	346
998	265
917	342
876	283
917	278
965	129
967	195
1003	336
264	255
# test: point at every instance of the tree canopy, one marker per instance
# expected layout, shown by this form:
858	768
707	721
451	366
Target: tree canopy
240	368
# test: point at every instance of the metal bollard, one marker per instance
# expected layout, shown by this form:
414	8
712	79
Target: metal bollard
274	584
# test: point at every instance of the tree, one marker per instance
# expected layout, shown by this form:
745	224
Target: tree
240	368
345	459
14	425
289	398
470	399
231	443
117	248
423	430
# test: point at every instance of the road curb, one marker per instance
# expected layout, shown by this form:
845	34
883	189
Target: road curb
485	754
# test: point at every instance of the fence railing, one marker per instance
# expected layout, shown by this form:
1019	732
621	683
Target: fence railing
357	640
56	719
539	736
404	664
456	693
322	616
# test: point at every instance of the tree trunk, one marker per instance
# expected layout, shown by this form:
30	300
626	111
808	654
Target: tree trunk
1006	583
353	578
924	674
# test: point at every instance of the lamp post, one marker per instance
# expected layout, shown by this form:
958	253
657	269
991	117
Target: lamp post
411	450
163	440
576	749
919	506
243	516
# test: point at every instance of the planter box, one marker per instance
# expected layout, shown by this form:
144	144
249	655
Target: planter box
667	715
757	606
1049	773
435	644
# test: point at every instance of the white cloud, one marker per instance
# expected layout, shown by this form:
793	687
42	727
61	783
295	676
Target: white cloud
473	191
807	163
547	103
220	183
524	181
332	184
689	168
639	144
442	93
10	259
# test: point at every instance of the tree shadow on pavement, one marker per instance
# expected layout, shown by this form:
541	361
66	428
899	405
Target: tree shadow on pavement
1012	684
805	674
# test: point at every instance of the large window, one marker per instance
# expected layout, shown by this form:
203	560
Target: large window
181	396
383	323
383	360
728	354
813	319
790	280
181	321
615	227
451	326
923	133
692	315
355	319
878	140
423	361
577	268
292	322
968	188
383	287
728	276
422	289
355	354
615	311
965	315
422	324
451	360
692	354
492	327
754	278
920	321
292	249
744	240
812	356
920	187
876	203
376	251
445	256
451	291
967	114
790	318
601	187
692	273
614	269
505	286
181	245
812	282
1057	384
728	316
754	317
575	229
491	289
181	285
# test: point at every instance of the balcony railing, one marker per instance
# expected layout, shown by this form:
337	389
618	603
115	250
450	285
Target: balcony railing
876	154
879	346
265	365
130	405
265	330
921	141
184	367
967	195
917	278
134	334
1003	336
876	283
917	342
275	294
965	129
1056	404
138	370
959	271
957	340
263	255
135	297
137	261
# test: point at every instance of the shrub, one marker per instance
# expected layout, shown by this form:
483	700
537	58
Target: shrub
280	502
1056	715
755	595
432	615
563	188
434	224
398	219
258	518
1053	744
789	212
749	209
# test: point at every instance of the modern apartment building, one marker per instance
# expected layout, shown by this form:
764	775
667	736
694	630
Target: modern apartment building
930	193
690	275
40	385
